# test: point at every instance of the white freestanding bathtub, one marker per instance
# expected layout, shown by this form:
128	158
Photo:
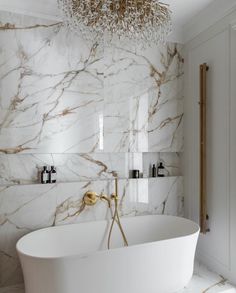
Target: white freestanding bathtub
74	258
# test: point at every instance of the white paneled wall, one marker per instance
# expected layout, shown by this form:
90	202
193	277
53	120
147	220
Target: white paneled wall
217	47
233	154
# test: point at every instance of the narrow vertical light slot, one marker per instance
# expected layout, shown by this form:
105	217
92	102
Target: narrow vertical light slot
101	132
142	122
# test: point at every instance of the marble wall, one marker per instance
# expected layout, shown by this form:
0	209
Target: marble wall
25	208
93	112
59	96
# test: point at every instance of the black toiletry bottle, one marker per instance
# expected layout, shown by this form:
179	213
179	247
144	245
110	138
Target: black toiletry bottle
44	175
52	175
154	171
135	174
161	170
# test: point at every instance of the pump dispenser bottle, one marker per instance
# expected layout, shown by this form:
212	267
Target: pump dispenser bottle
44	175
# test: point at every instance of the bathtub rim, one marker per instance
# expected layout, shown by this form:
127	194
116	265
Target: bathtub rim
196	231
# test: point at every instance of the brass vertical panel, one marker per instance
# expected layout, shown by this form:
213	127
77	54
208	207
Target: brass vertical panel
203	139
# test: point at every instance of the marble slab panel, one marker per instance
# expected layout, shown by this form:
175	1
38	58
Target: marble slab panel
25	208
57	95
144	99
51	88
165	124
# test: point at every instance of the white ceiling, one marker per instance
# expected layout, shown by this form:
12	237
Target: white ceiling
183	10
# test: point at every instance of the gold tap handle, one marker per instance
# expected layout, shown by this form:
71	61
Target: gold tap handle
90	198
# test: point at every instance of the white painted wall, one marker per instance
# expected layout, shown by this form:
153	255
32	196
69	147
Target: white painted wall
233	154
217	47
207	17
47	9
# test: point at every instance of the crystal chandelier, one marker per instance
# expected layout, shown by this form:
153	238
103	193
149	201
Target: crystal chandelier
140	21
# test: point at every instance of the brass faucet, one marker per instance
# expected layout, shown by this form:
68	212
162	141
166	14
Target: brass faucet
105	197
91	197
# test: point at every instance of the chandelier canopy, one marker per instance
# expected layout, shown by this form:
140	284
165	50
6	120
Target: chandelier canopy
140	21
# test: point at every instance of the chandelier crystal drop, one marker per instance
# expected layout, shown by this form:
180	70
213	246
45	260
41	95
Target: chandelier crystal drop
144	22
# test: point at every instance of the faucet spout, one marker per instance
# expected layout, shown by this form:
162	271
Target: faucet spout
104	197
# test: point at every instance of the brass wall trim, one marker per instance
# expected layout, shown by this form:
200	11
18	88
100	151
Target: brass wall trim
203	139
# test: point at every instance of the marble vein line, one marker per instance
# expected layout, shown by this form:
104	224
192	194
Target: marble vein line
167	121
221	282
10	26
104	167
65	206
167	196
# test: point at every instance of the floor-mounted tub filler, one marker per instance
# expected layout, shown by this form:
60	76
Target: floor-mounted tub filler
74	258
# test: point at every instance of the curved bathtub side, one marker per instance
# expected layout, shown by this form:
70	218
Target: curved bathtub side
84	238
164	266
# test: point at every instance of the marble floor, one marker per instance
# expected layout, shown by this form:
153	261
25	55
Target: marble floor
203	281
